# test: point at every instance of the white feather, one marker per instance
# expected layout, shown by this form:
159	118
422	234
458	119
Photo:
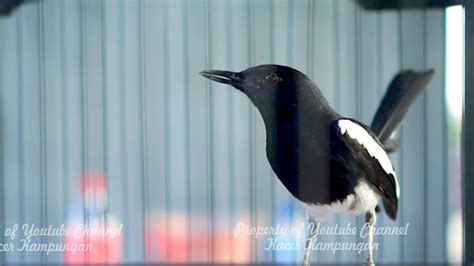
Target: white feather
363	200
358	133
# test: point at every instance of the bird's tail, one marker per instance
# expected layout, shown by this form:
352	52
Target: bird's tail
405	87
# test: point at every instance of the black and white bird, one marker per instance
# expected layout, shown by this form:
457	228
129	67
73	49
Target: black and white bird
330	163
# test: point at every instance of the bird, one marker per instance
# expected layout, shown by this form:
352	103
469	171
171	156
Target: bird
330	163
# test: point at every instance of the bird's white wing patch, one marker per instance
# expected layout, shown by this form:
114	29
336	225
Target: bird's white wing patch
358	133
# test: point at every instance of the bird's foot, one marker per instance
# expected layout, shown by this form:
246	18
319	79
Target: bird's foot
306	259
307	255
306	262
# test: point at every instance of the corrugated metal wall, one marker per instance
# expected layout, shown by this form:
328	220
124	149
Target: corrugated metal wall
113	87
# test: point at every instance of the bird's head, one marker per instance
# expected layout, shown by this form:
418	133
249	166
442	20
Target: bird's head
264	81
259	79
276	90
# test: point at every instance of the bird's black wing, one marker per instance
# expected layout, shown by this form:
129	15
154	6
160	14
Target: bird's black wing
355	150
401	93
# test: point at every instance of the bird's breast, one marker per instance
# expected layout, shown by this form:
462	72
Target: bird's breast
361	201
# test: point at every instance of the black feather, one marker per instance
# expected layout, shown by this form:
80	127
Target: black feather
401	93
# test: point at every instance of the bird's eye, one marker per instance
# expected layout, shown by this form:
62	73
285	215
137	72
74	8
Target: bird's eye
270	80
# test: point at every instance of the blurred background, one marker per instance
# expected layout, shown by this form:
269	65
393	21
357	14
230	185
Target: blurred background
106	122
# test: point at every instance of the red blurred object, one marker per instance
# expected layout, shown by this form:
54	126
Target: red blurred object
171	242
103	249
92	227
94	180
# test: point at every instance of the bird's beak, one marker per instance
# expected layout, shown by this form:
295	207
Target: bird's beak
226	77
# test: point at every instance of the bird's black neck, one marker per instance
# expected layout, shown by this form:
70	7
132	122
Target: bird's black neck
293	117
284	109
